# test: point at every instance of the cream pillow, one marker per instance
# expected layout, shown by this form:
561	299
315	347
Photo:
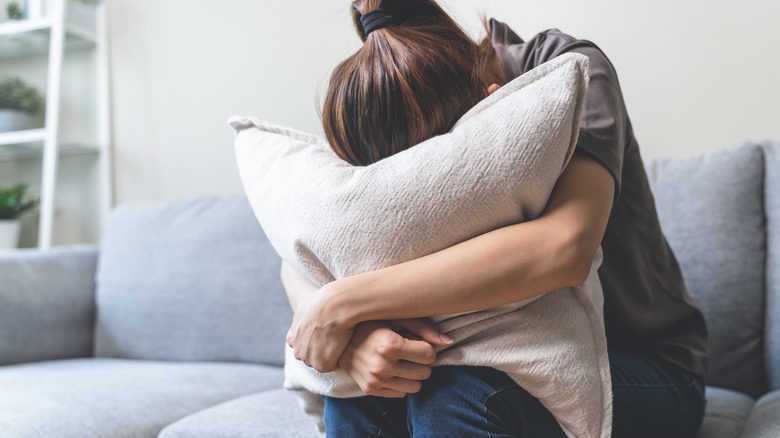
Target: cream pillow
497	166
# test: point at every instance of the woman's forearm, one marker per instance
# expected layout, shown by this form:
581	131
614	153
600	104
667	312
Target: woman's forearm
500	267
507	265
297	287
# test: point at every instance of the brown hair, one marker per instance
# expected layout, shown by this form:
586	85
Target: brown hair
408	82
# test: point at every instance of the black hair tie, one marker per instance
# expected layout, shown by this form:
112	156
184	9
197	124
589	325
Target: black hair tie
376	19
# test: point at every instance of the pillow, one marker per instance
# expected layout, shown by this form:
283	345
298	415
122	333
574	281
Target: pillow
482	175
497	166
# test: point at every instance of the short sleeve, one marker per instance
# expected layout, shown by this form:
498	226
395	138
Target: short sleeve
604	131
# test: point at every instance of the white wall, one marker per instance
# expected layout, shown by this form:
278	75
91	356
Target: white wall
697	75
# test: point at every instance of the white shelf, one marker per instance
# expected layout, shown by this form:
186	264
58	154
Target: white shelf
31	37
27	145
32	151
26	136
51	36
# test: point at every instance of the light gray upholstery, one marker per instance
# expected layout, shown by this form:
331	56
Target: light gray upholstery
46	304
772	208
270	414
764	420
85	398
725	414
711	211
190	280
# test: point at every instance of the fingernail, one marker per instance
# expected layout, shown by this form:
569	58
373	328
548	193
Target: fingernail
446	339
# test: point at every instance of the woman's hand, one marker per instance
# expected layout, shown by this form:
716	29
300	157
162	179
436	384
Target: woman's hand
392	359
317	339
314	338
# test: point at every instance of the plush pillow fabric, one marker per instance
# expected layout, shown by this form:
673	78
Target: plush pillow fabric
497	166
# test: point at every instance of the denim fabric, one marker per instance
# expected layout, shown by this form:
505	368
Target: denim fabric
651	399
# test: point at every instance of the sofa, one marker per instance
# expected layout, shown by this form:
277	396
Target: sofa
174	327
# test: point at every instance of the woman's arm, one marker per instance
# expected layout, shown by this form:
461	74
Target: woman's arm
296	286
507	265
510	264
385	358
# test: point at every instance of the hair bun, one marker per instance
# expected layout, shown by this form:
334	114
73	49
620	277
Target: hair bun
376	19
392	12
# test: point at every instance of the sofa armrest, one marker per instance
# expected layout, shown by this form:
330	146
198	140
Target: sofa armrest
47	304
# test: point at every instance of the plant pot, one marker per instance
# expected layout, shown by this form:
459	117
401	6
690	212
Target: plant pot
9	233
15	120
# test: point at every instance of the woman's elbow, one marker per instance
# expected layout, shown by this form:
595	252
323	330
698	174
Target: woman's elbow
578	260
580	271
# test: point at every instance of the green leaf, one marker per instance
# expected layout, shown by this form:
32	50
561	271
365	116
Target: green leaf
16	94
14	201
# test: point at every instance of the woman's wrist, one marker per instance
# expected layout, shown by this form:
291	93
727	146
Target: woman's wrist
337	306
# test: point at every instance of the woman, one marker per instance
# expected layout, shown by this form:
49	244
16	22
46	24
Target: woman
415	75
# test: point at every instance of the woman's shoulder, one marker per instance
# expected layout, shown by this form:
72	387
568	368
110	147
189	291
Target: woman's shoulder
502	34
519	55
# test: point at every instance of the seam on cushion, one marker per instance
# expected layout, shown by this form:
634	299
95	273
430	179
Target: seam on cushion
764	372
536	74
273	128
727	416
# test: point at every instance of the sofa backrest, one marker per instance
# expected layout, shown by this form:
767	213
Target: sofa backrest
47	303
189	280
711	209
772	208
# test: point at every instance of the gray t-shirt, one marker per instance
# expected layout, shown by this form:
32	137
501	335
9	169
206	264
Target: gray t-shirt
647	309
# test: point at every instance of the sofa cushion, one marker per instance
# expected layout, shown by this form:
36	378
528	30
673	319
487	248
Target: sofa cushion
725	414
84	398
764	421
269	414
711	211
772	207
47	304
274	413
190	280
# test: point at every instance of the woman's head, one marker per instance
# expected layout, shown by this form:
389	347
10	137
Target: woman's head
415	75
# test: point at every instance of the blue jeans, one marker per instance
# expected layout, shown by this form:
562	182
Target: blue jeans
651	399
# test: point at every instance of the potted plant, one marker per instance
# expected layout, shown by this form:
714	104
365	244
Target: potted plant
14	202
14	11
20	105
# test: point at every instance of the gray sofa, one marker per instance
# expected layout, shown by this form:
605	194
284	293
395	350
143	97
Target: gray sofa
175	326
